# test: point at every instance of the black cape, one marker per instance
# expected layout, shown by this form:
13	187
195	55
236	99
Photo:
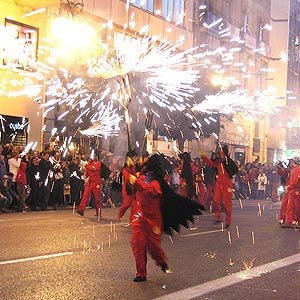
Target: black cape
177	210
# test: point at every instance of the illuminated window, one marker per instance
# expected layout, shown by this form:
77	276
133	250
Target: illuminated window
144	4
173	11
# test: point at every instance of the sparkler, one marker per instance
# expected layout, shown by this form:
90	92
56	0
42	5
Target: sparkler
237	101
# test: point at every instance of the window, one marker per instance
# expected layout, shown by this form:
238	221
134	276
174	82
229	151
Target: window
173	11
144	4
20	49
256	128
227	16
167	9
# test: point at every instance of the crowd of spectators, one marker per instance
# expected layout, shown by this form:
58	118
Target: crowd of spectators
42	180
48	179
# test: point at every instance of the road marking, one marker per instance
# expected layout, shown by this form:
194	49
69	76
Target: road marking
203	232
214	285
22	219
34	258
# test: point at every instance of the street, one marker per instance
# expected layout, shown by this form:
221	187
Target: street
60	255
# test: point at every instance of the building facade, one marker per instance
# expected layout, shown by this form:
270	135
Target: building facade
242	26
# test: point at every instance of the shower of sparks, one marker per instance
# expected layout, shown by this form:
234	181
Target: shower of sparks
237	101
108	126
157	71
211	255
157	74
248	265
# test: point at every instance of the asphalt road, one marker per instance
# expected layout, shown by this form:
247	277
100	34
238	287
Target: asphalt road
60	255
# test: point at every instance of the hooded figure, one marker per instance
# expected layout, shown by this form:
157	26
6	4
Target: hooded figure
223	188
186	176
155	208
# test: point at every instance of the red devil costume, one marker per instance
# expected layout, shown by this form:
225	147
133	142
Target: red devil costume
155	208
128	189
292	212
226	168
93	185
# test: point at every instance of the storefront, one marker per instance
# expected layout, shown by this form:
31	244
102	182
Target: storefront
14	130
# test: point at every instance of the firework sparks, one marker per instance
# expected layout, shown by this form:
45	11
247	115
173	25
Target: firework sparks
237	101
167	75
107	124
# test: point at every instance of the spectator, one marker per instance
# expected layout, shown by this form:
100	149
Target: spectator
175	178
21	187
262	181
34	182
45	168
76	182
13	164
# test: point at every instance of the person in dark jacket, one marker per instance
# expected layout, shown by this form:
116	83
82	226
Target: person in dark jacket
45	168
34	182
76	182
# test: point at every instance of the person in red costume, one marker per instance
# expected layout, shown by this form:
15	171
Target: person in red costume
284	173
293	188
127	188
199	181
92	185
146	217
223	187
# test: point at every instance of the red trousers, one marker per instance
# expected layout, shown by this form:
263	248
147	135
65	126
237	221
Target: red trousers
223	191
283	207
143	239
88	190
275	187
292	209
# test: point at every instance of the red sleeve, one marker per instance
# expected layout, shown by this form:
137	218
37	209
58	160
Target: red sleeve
125	205
93	167
294	179
209	162
152	187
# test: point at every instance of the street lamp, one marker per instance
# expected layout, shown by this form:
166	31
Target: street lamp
71	7
75	39
267	27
